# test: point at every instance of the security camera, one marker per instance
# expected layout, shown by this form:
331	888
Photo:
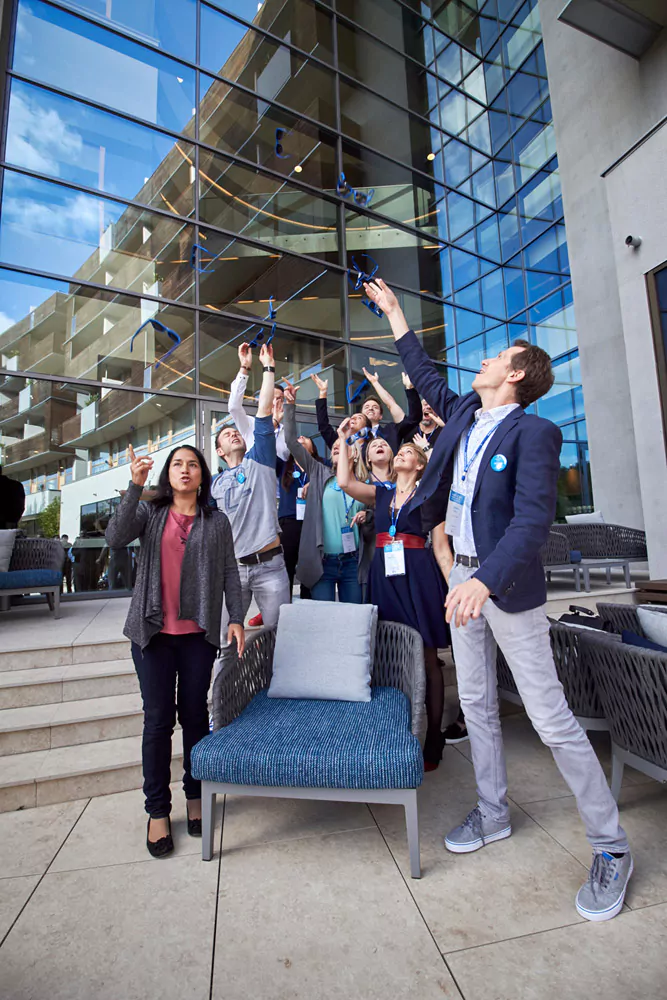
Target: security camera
633	241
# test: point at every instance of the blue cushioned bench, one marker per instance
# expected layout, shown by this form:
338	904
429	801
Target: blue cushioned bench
337	750
36	567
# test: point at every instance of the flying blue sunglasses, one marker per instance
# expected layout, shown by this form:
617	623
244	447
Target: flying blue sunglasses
361	278
344	189
158	326
260	336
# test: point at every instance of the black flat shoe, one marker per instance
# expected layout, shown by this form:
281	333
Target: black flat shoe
194	827
162	847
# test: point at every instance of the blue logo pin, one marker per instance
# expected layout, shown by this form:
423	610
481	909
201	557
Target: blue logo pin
240	478
498	463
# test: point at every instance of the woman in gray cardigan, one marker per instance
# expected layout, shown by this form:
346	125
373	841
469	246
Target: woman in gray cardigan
186	565
318	569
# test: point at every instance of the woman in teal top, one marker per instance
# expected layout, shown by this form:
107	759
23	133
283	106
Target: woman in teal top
334	557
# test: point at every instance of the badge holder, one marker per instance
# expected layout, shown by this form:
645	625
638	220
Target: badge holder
347	535
394	559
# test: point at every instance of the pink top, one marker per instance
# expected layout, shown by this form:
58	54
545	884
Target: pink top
172	549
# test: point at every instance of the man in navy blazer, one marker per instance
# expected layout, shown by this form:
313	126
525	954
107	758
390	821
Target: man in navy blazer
499	469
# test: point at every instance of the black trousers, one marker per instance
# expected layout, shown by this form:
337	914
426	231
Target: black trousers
290	537
174	676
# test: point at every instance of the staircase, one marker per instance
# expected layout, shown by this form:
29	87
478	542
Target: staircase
70	724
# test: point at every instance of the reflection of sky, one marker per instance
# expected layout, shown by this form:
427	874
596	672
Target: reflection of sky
167	24
101	66
19	293
57	136
49	227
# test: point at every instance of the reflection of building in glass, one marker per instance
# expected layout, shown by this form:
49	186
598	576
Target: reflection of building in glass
444	113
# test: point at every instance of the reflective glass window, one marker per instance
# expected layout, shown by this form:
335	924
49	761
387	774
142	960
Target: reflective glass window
240	123
103	67
400	256
87	333
253	204
54	228
296	356
274	72
306	24
428	320
390	22
168	24
54	135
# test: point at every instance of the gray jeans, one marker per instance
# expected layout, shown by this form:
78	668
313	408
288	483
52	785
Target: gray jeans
268	583
524	640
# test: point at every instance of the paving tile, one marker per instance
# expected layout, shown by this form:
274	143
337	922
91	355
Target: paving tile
622	958
252	821
112	831
515	886
13	894
30	839
644	817
127	931
327	918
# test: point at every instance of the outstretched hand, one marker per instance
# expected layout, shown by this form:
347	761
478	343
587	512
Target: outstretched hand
322	384
382	295
245	355
139	468
406	381
372	377
266	355
290	391
344	429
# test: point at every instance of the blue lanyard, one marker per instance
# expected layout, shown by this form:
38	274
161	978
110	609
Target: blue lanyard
467	464
296	475
395	515
348	506
388	485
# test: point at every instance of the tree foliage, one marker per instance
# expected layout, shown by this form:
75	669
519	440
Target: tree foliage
49	520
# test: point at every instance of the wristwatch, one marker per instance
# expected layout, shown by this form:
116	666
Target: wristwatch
269	368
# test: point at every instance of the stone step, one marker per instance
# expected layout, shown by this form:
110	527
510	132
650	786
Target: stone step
75	772
46	727
58	656
70	682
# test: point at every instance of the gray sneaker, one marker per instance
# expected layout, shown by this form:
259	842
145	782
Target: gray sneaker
601	898
474	832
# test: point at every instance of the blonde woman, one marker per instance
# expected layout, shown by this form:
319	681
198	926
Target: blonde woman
406	578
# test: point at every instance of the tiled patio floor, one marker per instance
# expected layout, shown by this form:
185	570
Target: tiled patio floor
314	900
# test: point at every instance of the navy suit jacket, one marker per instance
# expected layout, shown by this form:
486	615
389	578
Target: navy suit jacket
512	510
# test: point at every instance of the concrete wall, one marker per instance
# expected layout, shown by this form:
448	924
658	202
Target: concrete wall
603	102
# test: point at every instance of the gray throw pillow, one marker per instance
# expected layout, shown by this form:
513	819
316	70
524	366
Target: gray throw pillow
654	623
324	649
594	517
7	537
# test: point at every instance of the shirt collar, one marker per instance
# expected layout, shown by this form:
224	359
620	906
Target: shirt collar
495	414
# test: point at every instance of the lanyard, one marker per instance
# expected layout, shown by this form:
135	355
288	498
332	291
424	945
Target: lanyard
296	476
394	515
467	464
388	485
348	506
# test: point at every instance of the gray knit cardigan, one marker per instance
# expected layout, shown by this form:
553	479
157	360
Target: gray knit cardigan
208	573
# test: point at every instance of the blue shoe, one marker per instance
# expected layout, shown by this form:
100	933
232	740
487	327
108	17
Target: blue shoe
476	831
601	898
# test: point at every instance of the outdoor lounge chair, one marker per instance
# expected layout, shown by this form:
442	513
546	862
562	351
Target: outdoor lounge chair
36	567
315	749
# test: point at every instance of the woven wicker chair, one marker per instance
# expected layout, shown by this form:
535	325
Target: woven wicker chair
620	617
555	555
398	663
36	567
605	546
573	673
632	686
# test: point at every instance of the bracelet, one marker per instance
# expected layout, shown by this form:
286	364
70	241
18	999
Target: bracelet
246	371
269	368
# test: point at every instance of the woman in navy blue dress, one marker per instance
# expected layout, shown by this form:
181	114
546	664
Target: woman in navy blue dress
407	580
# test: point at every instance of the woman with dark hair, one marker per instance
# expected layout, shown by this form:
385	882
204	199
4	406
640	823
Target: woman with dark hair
186	566
292	481
407	579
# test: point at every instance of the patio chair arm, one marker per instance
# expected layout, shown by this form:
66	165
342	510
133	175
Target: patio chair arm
37	553
399	663
239	681
555	551
621	616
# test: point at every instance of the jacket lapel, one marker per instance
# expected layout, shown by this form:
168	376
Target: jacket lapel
504	428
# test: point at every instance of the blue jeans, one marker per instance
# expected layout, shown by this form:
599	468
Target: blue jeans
341	570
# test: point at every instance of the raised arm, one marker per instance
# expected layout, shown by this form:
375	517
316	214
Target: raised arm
131	517
265	401
423	373
301	454
397	412
324	426
344	476
244	423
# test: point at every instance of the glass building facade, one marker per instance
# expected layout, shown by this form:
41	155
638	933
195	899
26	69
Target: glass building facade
171	169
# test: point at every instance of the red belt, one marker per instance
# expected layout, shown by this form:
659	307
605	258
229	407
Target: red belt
409	541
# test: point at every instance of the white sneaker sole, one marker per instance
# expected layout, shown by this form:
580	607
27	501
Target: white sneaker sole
474	845
611	911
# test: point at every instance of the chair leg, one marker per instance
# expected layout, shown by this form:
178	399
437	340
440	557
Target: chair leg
207	820
49	600
56	603
608	575
412	826
628	578
587	579
617	768
577	580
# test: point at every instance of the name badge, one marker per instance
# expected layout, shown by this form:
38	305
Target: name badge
300	509
349	544
394	559
454	515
